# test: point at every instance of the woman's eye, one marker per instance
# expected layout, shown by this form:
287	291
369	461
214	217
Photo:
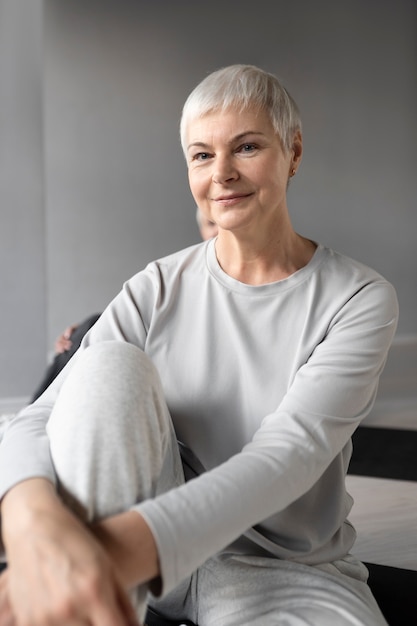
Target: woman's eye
247	147
201	156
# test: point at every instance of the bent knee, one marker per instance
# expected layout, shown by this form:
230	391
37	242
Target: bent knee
117	355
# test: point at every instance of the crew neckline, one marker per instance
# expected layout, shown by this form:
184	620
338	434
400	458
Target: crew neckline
268	288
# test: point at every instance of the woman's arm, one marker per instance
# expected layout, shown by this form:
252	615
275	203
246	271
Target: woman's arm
63	570
57	563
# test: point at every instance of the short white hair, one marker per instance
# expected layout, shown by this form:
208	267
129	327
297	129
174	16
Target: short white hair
243	86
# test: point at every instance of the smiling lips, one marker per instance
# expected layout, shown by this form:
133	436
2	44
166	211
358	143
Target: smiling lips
226	200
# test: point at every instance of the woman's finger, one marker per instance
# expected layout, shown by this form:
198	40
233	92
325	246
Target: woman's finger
6	614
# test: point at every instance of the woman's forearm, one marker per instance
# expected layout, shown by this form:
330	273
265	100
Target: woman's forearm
129	542
63	570
126	537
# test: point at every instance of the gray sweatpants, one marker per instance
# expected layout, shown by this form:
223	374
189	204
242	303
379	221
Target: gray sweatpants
113	444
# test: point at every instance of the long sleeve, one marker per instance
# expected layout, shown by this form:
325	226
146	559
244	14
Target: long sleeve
24	449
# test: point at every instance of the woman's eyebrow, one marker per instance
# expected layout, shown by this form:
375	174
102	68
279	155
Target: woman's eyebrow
245	134
197	144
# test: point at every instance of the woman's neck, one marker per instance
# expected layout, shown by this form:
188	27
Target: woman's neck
265	260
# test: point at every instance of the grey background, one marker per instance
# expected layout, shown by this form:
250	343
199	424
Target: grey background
93	183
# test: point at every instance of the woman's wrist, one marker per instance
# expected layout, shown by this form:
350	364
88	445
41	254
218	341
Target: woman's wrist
130	544
27	497
126	537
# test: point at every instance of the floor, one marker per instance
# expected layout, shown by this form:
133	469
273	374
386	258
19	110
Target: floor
383	483
385	517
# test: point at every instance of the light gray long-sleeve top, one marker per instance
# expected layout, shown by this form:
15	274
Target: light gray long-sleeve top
266	385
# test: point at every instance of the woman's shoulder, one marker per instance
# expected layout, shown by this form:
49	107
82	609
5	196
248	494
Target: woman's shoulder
168	269
347	277
184	257
342	265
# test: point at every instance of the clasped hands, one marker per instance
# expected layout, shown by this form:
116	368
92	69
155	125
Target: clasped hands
63	573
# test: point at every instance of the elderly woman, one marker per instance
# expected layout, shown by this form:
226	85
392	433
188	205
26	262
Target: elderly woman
260	351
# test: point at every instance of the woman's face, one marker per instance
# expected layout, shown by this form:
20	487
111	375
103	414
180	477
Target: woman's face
237	169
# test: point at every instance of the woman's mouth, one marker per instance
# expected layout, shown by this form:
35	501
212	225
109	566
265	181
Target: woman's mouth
230	199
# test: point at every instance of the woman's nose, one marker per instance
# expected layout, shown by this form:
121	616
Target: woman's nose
224	170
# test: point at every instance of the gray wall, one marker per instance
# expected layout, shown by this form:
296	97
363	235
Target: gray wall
22	215
106	189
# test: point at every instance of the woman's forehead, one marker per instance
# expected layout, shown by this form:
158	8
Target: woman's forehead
229	123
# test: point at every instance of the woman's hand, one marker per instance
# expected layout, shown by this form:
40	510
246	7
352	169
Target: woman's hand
58	574
6	613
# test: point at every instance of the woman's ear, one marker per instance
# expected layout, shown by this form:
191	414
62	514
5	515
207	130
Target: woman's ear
297	151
